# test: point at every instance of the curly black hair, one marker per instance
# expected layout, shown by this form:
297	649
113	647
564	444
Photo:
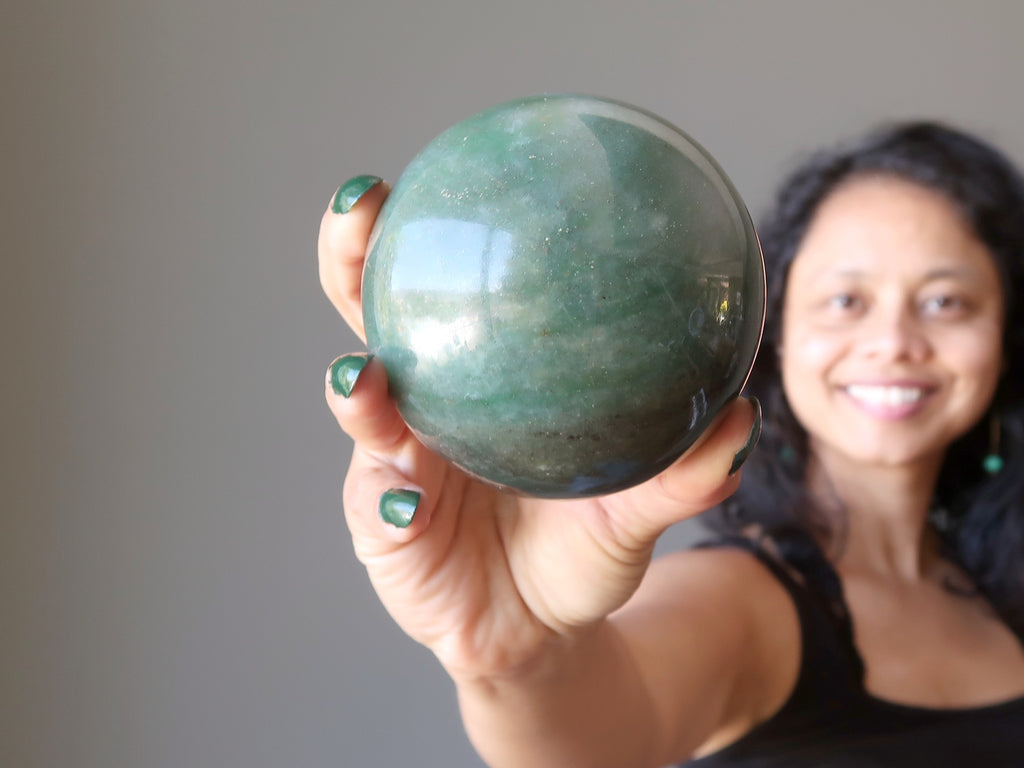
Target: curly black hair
979	516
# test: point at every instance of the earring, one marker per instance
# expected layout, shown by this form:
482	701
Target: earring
993	462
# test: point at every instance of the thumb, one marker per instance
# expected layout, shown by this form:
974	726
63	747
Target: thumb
706	475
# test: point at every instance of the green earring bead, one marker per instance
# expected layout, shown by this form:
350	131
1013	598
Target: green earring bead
993	464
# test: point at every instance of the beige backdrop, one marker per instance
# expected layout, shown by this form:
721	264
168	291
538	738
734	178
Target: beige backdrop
176	586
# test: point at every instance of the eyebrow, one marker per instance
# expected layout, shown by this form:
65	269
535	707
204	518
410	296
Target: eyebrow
935	274
965	271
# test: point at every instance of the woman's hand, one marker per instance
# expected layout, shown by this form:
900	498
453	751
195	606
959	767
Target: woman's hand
488	580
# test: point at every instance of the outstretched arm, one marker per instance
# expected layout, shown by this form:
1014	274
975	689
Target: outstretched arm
513	594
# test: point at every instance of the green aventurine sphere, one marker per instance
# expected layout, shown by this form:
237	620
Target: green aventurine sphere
565	291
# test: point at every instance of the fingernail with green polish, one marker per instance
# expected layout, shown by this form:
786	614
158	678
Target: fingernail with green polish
345	372
752	438
397	507
352	190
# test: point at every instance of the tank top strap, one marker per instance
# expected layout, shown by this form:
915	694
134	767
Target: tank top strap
830	666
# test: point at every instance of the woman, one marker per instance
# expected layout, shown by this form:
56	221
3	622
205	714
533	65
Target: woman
862	603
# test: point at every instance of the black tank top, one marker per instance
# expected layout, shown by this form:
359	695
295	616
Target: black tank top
831	721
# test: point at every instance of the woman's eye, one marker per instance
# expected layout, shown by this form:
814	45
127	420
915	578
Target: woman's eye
945	304
844	302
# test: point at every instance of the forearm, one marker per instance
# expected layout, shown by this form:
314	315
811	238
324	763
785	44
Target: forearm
584	703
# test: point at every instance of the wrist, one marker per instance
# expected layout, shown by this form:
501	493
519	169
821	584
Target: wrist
546	659
577	701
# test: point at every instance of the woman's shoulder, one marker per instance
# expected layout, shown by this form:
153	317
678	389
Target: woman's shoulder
734	588
725	606
737	571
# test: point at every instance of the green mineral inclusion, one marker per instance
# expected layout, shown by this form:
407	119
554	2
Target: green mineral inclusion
565	291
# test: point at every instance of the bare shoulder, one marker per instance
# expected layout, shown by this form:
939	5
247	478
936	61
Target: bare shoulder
718	638
724	563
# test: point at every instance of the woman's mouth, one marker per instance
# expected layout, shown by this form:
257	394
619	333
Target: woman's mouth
888	401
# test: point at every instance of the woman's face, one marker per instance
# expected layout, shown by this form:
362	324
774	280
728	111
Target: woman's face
892	325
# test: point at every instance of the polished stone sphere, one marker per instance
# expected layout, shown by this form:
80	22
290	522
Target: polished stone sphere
565	291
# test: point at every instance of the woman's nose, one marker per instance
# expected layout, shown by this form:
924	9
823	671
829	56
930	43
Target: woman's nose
895	333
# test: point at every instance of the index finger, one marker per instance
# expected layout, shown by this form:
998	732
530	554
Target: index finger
341	245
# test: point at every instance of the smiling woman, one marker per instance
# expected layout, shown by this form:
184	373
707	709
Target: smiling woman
896	263
895	271
893	331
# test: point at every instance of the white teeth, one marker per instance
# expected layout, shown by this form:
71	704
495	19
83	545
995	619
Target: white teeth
885	395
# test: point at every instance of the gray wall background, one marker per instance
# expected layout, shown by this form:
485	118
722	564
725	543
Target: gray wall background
176	584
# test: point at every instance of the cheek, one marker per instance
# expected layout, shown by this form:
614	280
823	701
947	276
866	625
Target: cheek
806	354
806	361
981	364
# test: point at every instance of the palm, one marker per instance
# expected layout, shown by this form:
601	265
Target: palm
495	575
